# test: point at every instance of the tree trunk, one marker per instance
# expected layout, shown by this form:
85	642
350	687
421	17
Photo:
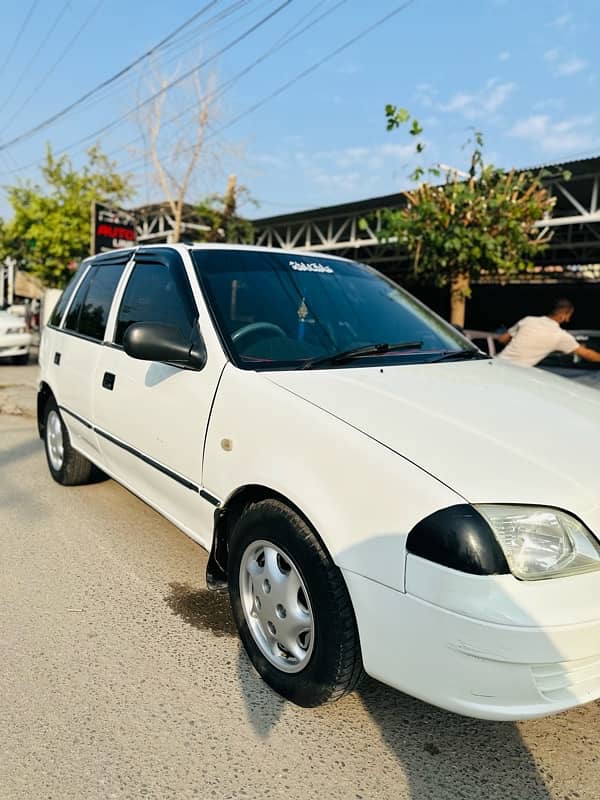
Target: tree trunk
459	291
176	235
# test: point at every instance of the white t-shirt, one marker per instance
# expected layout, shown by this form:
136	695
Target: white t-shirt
533	338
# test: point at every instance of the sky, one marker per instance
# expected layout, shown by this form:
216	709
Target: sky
524	72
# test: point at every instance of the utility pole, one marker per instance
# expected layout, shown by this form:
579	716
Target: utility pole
8	272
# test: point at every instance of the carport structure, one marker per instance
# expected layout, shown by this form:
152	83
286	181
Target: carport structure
352	229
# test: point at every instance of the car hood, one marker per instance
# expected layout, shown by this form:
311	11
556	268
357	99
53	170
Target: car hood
490	431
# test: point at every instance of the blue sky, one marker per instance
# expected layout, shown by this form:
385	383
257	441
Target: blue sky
525	72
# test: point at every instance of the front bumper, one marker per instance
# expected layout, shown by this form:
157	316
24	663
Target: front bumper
472	666
14	344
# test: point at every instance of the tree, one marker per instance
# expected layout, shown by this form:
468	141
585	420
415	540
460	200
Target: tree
50	229
481	224
176	156
220	212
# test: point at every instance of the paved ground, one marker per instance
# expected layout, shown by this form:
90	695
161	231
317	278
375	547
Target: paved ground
18	389
121	677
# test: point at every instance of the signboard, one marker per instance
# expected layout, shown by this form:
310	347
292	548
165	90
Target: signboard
112	228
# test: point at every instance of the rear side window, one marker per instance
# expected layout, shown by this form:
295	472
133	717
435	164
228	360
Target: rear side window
157	293
72	320
89	312
63	300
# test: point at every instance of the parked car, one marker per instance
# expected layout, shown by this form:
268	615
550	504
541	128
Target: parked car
15	340
375	493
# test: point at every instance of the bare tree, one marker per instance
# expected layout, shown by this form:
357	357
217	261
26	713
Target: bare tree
177	153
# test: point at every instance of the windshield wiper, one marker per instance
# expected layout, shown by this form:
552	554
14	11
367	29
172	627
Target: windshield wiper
459	355
358	352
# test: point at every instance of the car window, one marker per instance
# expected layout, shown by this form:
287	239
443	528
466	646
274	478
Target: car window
157	292
89	311
72	320
63	300
277	310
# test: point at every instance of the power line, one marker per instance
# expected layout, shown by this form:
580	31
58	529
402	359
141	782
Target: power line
177	81
51	30
179	47
19	35
171	84
288	84
289	36
63	54
104	84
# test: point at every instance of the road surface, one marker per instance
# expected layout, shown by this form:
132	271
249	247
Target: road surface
121	677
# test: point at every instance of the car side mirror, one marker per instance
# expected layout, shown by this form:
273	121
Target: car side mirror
153	341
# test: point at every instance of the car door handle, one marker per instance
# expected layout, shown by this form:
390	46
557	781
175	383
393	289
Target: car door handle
108	381
57	358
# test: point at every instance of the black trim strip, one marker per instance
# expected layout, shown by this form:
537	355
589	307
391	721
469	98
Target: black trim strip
150	461
210	498
77	417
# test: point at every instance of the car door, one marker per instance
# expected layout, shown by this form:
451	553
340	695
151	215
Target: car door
151	417
77	345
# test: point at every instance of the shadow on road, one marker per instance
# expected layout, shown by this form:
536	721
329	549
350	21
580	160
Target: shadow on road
441	754
445	755
202	608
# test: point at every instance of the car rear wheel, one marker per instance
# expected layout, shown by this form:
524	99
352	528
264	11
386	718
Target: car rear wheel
66	465
291	606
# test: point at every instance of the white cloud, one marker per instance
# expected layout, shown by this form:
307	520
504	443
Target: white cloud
459	102
570	67
486	101
561	21
504	55
553	137
564	65
497	96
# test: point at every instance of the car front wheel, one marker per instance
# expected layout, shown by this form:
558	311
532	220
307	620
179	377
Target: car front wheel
291	606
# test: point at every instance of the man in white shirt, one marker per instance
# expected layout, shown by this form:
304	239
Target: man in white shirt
533	338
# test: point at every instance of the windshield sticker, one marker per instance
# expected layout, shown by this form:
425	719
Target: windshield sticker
310	266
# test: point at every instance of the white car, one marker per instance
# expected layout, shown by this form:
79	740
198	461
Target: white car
374	491
15	340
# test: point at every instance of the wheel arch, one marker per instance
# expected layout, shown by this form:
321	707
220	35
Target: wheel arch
43	395
226	516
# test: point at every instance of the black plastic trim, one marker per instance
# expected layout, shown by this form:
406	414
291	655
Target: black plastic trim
147	460
460	538
77	417
210	497
115	257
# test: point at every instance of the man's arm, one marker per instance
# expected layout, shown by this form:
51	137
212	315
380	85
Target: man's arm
587	354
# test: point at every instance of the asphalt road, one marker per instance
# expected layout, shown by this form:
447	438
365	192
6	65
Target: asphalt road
121	677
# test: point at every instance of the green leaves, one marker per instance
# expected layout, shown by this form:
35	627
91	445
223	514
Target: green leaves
416	130
51	222
464	229
396	116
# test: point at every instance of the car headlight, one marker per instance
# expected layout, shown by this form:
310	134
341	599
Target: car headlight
541	542
16	330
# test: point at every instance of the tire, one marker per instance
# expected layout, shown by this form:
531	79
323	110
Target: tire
21	360
66	465
313	657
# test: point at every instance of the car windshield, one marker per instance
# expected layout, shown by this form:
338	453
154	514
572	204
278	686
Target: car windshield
279	310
